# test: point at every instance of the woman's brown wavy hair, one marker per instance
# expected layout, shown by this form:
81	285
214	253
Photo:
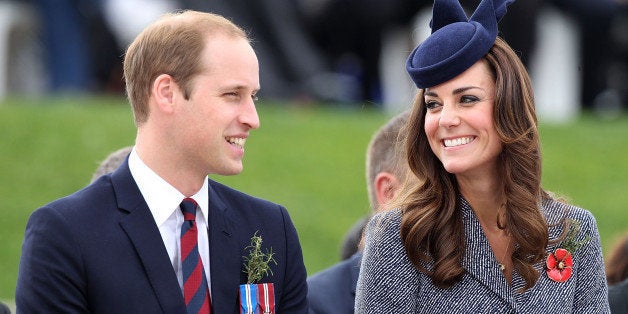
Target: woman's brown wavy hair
432	227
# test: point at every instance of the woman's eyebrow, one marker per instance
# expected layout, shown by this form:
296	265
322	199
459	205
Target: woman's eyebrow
455	92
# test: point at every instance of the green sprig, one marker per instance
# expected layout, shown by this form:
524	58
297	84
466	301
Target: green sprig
570	243
256	265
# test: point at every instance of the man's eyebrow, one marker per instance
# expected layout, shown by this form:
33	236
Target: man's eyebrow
238	87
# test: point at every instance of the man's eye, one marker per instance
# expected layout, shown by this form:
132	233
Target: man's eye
231	94
254	97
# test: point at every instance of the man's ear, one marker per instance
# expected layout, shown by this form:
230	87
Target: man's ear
386	185
163	91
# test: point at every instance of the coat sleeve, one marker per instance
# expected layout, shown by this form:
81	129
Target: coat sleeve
388	282
50	276
591	295
294	299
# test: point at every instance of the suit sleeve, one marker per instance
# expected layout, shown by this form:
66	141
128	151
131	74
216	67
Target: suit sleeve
591	294
50	277
294	299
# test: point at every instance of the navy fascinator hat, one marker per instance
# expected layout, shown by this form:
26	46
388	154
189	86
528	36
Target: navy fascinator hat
456	42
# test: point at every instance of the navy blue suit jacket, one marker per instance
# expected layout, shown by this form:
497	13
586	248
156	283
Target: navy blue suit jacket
99	251
332	291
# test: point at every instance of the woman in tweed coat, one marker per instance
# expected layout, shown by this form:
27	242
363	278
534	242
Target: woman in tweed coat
479	235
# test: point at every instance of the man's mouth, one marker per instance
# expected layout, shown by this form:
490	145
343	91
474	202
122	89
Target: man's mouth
237	141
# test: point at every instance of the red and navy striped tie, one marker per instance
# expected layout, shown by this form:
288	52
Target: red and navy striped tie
195	288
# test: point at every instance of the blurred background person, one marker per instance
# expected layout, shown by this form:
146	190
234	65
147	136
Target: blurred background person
336	51
4	309
292	65
111	162
79	51
617	276
618	297
353	237
351	33
603	47
333	290
617	262
355	35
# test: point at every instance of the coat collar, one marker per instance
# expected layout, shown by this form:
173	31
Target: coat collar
479	260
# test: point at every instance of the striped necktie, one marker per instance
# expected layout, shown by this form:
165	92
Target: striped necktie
195	288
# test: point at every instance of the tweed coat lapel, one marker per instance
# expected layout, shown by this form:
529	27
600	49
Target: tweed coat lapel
142	231
479	260
224	251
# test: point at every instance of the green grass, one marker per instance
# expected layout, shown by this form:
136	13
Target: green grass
308	158
587	161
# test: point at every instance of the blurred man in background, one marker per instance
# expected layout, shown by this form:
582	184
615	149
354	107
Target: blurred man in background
332	291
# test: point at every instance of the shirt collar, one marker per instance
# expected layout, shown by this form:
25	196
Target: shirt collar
161	197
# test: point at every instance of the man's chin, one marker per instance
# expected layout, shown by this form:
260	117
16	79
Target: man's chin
232	171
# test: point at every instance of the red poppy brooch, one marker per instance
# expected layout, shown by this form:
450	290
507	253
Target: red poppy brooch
559	263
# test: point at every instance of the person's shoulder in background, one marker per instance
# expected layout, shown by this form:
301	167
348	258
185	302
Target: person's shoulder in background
618	297
332	290
111	162
4	309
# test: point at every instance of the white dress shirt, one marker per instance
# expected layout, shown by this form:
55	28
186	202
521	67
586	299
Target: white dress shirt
164	200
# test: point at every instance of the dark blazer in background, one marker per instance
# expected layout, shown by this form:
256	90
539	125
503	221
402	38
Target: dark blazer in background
4	309
332	291
618	297
99	251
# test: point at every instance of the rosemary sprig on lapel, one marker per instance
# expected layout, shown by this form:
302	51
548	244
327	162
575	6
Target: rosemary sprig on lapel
570	243
256	265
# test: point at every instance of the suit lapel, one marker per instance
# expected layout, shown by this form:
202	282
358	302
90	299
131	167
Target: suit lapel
141	229
225	259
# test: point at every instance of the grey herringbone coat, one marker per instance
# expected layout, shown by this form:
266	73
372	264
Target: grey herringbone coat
389	283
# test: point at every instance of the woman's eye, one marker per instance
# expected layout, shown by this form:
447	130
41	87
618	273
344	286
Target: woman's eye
468	99
431	104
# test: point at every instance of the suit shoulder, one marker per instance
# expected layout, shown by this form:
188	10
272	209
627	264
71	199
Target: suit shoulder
96	193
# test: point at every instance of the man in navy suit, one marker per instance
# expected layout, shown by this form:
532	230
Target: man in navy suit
113	247
332	291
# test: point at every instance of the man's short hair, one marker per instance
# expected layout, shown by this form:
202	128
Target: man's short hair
385	153
172	45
